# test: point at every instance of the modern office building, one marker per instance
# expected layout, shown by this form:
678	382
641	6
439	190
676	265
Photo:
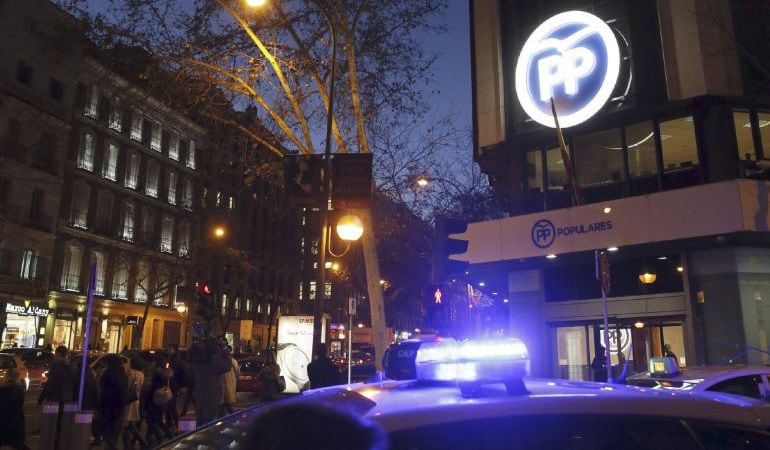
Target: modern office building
664	107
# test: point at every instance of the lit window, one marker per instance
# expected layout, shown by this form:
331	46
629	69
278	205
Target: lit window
81	194
155	133
28	264
640	139
231	202
191	155
116	117
101	272
120	279
151	184
301	289
535	172
171	189
136	126
184	239
599	158
91	107
312	290
166	234
132	171
763	120
127	226
173	146
86	152
678	141
142	285
259	308
248	305
110	161
70	277
224	305
219	198
327	290
187	194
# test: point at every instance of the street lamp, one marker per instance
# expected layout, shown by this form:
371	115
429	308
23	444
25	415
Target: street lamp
181	308
219	232
350	228
325	185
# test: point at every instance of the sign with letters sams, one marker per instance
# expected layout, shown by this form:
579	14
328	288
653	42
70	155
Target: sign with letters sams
572	57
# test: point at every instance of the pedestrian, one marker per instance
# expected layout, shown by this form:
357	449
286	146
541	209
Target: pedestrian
270	383
669	354
210	361
12	431
599	364
185	381
296	426
322	371
157	399
58	385
48	348
230	381
175	361
131	433
113	396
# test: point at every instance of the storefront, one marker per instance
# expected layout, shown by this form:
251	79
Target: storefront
64	328
25	324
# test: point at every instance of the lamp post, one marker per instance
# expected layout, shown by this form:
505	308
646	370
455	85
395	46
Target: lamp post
181	308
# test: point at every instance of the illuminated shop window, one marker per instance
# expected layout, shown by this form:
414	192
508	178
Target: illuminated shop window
764	131
744	136
599	158
640	139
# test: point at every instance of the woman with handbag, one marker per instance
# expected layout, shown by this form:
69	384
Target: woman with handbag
157	399
133	414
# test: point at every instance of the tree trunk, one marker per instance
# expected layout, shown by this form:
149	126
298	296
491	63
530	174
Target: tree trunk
140	331
376	303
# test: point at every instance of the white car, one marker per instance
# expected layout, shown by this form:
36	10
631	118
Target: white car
748	381
471	395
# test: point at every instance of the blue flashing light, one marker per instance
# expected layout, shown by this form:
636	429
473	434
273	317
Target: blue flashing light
486	360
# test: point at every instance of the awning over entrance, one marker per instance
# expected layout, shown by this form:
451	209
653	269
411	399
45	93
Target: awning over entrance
705	210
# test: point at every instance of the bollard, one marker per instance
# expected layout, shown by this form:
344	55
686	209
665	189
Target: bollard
81	430
48	425
186	424
65	427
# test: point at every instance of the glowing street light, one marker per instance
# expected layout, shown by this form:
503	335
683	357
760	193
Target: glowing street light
256	3
219	232
181	308
422	181
350	228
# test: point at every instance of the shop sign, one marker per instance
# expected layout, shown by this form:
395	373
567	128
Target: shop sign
572	58
26	310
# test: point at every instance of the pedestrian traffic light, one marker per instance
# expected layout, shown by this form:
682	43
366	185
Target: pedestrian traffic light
204	305
446	247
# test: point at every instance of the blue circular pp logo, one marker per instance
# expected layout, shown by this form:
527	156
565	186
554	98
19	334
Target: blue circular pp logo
543	233
572	58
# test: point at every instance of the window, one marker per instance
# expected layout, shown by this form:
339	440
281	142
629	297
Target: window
237	307
142	282
104	211
101	272
599	158
56	89
191	154
148	224
219	198
110	161
120	279
132	171
127	225
45	157
640	140
151	183
204	196
747	386
70	277
231	202
167	234
116	117
173	146
136	126
36	205
155	134
534	174
28	264
248	306
81	194
764	131
224	305
312	290
678	142
86	153
744	136
91	106
301	290
184	239
327	290
171	187
24	73
187	194
557	174
259	308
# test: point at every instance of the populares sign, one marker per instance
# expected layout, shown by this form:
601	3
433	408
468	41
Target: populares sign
572	58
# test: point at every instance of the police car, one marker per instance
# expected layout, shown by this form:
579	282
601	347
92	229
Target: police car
473	395
664	373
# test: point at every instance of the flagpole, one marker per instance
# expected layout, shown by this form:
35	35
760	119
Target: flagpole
576	197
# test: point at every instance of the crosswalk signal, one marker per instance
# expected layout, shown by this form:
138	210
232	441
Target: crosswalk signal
203	302
446	246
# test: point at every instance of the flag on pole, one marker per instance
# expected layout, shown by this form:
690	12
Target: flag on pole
577	197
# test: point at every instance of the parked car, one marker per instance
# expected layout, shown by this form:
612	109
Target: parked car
9	361
35	359
248	381
748	381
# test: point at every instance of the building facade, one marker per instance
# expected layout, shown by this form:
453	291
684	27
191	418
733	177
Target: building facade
669	168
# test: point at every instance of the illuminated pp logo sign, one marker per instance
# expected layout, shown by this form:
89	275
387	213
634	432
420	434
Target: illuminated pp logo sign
572	57
543	233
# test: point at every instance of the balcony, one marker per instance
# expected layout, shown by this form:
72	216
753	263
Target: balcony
78	219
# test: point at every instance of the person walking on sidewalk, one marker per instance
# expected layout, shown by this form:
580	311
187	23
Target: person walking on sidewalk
230	382
12	431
